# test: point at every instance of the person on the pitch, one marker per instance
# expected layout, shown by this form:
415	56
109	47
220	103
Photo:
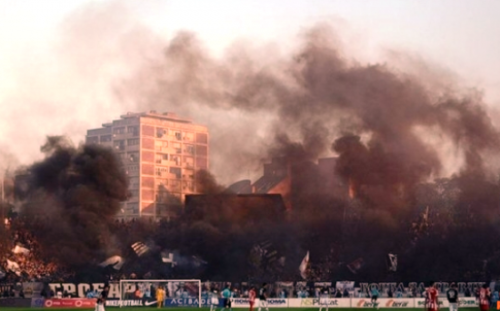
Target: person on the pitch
452	296
375	293
160	296
252	294
99	305
105	293
214	301
226	297
263	297
431	298
324	298
484	298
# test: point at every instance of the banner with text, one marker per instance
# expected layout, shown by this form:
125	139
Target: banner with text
69	303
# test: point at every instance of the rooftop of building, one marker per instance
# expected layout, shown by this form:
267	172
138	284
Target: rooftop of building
166	116
170	116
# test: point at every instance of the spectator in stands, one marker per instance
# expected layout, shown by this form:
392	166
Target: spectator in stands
467	292
389	293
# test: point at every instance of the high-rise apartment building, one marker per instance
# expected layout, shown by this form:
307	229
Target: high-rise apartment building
161	153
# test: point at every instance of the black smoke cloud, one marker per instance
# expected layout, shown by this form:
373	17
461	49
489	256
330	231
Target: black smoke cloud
317	94
73	196
314	102
375	118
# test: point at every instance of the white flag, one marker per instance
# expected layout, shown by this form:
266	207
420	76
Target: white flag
20	250
168	257
393	262
303	266
14	267
116	261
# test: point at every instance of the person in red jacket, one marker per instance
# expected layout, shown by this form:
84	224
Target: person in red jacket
252	294
431	298
484	298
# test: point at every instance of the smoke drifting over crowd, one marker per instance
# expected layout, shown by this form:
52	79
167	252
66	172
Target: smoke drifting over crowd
73	197
317	94
382	123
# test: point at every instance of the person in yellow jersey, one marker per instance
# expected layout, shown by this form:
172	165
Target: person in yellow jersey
160	296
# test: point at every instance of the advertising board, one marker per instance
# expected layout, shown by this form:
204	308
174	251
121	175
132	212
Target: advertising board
463	302
69	303
383	303
315	302
37	302
271	302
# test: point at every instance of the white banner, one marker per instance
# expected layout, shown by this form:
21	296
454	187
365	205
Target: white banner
383	303
464	302
349	285
271	302
315	302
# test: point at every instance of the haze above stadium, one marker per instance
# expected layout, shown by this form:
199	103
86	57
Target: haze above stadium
68	66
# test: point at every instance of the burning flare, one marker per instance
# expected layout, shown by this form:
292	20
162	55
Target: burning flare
352	192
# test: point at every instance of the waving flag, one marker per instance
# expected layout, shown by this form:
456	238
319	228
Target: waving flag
168	257
20	250
14	267
140	248
303	266
116	261
356	265
393	262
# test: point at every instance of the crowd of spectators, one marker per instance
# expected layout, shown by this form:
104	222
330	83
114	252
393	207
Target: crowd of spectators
22	251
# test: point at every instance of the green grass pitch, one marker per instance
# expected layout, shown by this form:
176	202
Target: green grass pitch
236	309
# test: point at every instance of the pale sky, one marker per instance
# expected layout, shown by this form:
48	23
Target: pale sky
463	36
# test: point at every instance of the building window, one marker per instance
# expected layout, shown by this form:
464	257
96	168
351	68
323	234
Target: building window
161	158
177	148
161	132
133	157
119	144
133	142
188	137
175	185
201	163
178	135
134	130
134	194
189	149
176	171
106	138
201	150
161	145
201	138
93	140
175	160
119	130
131	169
163	183
161	171
131	208
134	183
188	186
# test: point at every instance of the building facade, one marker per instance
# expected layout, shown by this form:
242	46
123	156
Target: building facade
161	154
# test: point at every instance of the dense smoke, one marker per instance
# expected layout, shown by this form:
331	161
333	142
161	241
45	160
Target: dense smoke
312	103
73	196
314	97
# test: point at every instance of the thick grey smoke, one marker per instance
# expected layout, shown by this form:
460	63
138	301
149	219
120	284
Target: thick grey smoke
315	95
315	101
73	197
